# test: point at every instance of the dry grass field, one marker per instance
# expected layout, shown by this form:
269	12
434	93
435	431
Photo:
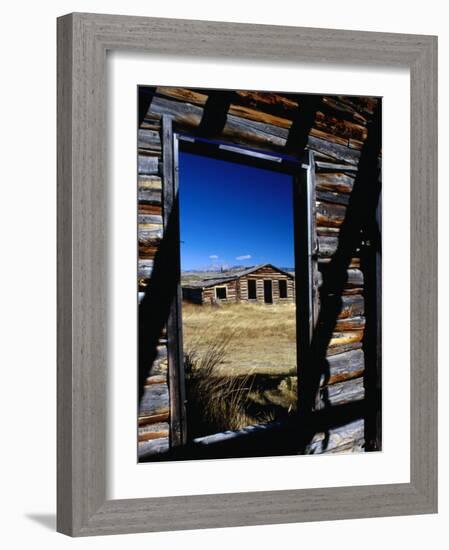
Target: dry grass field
240	364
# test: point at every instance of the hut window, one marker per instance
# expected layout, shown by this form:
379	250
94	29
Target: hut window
221	292
282	289
252	292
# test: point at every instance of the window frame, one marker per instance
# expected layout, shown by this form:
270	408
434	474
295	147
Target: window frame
302	170
221	287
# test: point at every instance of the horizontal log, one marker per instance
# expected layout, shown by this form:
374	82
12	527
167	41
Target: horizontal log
183	114
334	182
151	196
150	209
183	94
339	152
150	436
332	166
153	427
336	198
275	104
148	235
344	338
259	116
330	352
349	111
155	400
327	246
352	306
146	420
147	165
347	438
342	393
344	366
144	268
330	215
351	323
327	231
149	139
149	182
147	449
149	219
156	379
339	126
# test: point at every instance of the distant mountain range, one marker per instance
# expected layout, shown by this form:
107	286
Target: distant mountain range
230	269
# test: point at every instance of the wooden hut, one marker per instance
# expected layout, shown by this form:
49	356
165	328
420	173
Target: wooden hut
261	283
339	370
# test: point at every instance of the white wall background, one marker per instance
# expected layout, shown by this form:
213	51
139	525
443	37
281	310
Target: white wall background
28	266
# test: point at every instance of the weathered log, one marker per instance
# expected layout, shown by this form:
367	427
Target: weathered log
351	323
337	105
275	104
327	231
144	219
259	116
347	438
150	209
149	139
332	166
145	268
149	182
344	366
328	214
330	352
147	449
352	306
156	379
147	165
155	400
151	196
150	436
342	393
146	420
322	134
243	125
335	182
183	94
352	291
339	152
183	114
329	196
241	131
339	126
343	338
148	235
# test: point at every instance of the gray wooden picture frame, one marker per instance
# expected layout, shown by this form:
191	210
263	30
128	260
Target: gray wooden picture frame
83	40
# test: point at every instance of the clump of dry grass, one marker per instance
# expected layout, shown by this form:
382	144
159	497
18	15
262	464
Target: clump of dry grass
215	403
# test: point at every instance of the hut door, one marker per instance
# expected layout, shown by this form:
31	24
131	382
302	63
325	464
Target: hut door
268	291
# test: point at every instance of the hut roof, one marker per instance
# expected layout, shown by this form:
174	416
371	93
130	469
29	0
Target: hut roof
224	278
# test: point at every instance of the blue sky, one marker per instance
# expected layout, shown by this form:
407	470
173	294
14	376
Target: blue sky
232	214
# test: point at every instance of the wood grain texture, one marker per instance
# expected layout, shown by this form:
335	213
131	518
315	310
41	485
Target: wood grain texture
83	40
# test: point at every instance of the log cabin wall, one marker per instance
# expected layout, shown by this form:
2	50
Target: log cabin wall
154	409
335	128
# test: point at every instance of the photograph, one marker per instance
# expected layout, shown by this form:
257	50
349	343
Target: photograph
259	273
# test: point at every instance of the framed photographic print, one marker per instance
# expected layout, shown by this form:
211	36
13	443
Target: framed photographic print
247	274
